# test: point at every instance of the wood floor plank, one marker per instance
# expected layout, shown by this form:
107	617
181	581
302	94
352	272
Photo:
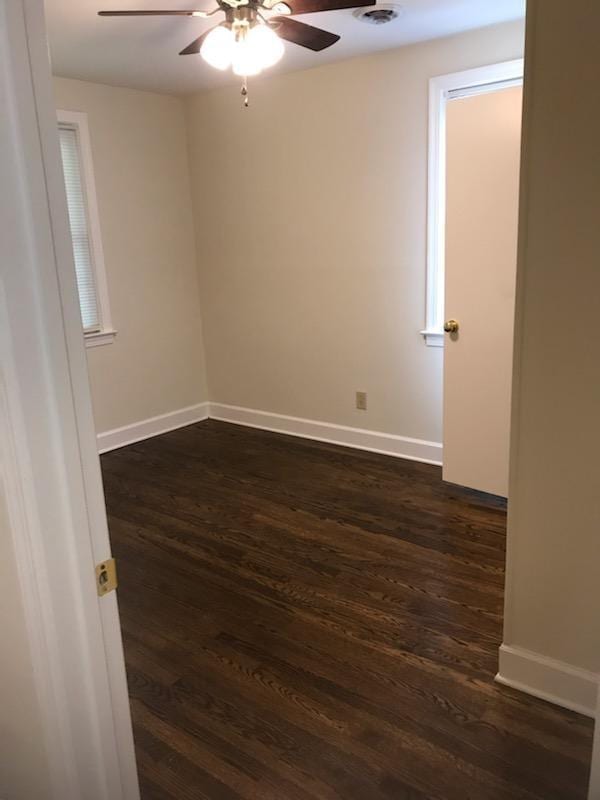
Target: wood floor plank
307	622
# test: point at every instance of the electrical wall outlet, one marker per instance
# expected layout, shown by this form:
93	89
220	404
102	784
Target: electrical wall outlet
361	401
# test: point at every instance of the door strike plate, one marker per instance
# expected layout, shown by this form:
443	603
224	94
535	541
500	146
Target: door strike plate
106	576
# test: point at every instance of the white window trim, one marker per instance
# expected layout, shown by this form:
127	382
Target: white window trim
441	89
106	332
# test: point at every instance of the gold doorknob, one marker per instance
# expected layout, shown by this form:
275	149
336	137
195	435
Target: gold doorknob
451	326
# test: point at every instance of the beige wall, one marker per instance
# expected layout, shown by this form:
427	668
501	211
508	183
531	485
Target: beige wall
318	288
139	149
553	589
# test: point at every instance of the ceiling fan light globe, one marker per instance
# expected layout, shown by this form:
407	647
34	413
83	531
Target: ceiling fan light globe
246	59
265	43
218	47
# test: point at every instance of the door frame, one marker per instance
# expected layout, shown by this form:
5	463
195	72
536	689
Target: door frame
441	89
57	513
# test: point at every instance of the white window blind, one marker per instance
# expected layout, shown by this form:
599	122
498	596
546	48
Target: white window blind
80	233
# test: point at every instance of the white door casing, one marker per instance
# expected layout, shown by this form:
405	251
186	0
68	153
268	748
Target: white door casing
58	520
441	88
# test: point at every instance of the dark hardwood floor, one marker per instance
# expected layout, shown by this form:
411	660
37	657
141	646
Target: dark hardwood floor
308	622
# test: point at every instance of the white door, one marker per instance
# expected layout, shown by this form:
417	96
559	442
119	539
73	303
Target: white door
76	721
482	184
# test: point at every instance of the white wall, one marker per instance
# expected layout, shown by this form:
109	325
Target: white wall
310	212
553	595
139	149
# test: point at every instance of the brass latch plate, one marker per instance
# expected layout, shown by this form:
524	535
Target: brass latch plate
106	576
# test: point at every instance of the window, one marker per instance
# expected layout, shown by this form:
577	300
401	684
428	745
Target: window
442	89
85	227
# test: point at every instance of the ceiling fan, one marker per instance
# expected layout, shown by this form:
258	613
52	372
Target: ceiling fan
249	38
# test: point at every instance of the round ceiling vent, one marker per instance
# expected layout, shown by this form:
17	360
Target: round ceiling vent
380	15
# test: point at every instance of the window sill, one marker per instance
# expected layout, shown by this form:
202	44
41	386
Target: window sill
433	338
99	338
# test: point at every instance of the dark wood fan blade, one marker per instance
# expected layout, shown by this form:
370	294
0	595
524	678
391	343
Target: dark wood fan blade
313	6
189	13
194	47
300	33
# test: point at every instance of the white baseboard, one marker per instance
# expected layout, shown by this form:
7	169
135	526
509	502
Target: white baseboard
374	441
548	679
128	434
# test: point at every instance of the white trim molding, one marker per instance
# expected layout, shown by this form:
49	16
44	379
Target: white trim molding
548	679
594	787
433	338
359	438
98	338
441	89
374	441
154	426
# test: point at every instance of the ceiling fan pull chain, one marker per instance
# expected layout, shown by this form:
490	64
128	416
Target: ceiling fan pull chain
244	92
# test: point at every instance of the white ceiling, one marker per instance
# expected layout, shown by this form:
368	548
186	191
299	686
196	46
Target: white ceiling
142	52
